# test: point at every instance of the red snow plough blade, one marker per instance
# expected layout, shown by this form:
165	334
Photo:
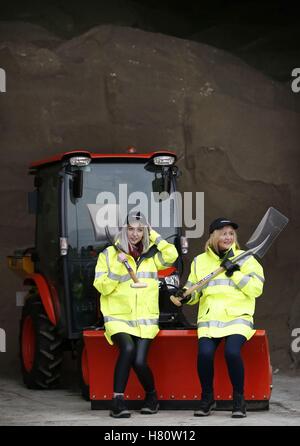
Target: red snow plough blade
173	359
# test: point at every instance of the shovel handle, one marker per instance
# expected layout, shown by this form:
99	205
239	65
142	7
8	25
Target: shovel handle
198	286
131	272
176	300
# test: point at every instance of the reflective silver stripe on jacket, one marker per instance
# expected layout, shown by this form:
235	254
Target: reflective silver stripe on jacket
195	265
258	276
220	282
147	275
118	277
125	277
160	258
107	258
134	323
158	240
98	274
243	282
220	324
246	279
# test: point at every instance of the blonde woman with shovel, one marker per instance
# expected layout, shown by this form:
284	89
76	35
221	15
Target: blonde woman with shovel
130	307
226	310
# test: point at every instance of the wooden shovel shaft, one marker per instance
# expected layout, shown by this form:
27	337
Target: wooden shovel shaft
215	273
199	285
131	272
203	281
177	300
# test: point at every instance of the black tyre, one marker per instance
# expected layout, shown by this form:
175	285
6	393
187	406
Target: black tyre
41	350
82	368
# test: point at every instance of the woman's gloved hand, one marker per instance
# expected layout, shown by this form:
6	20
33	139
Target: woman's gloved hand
230	267
180	295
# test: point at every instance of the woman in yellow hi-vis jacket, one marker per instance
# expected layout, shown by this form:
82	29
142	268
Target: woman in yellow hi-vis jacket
226	309
131	314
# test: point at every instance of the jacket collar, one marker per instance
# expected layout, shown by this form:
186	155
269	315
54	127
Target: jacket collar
231	252
152	247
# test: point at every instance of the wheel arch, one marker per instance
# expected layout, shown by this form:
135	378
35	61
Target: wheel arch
40	282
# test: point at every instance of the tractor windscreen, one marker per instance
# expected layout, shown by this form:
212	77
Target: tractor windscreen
130	185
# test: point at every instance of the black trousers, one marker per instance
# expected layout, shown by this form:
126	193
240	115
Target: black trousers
133	353
206	353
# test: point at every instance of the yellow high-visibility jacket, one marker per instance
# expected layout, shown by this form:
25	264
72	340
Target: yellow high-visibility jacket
132	310
226	304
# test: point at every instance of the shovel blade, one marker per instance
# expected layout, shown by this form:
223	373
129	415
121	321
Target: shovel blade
271	225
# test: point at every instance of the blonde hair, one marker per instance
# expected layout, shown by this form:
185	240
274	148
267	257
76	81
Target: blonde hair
122	238
213	240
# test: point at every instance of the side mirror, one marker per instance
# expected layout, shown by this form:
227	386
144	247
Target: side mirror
166	180
77	184
184	244
163	183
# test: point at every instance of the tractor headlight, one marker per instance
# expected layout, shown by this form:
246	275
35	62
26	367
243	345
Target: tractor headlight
164	160
172	280
80	161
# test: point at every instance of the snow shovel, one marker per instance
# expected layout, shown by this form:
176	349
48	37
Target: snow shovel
272	223
111	211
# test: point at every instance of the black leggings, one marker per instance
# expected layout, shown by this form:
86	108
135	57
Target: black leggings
133	353
206	352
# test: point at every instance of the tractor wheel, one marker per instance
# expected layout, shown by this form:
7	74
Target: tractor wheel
41	350
83	370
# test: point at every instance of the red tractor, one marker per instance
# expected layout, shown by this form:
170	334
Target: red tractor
59	270
61	309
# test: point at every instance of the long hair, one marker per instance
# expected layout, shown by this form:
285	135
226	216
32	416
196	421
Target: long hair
122	237
213	240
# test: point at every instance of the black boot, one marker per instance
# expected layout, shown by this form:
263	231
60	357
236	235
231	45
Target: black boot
150	404
206	405
119	408
239	406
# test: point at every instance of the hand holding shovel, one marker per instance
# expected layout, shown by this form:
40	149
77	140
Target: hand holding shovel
123	259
